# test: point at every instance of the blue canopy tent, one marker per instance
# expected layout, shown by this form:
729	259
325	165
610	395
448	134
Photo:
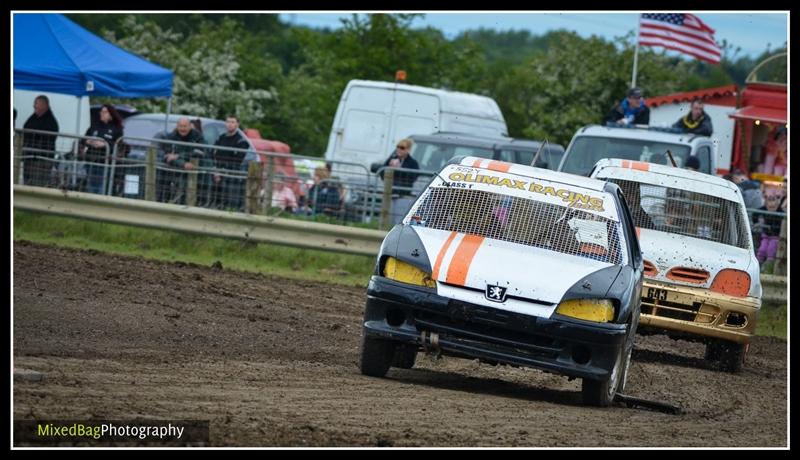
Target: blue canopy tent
52	53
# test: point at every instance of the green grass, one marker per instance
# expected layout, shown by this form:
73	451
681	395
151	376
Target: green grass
305	264
237	255
772	321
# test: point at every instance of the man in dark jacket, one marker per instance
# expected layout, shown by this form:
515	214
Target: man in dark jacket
228	191
178	157
630	111
37	170
401	158
696	121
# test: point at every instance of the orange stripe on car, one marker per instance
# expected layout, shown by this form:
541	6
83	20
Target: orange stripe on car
499	166
639	232
442	252
477	163
462	259
626	164
640	165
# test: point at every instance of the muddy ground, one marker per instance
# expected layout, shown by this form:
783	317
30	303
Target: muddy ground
273	362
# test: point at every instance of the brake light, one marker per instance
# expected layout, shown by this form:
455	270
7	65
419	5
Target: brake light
731	282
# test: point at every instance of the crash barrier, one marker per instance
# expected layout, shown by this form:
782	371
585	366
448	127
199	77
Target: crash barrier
774	289
59	160
215	223
207	222
764	223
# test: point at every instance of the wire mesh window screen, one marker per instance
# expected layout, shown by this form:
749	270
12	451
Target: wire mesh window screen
519	220
683	212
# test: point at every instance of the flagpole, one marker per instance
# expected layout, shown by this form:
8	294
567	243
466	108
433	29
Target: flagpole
636	54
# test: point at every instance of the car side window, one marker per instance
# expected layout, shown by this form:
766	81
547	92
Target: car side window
704	155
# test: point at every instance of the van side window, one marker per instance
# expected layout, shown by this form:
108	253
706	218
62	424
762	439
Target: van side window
704	155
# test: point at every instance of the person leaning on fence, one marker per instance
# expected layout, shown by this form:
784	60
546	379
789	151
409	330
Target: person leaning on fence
177	158
37	170
630	111
769	227
325	197
228	191
108	128
401	158
697	121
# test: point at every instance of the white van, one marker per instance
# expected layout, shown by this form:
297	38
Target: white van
373	115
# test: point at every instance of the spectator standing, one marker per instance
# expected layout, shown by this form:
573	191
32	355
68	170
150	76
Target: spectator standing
178	159
37	170
109	128
697	121
770	227
228	191
751	189
401	158
630	111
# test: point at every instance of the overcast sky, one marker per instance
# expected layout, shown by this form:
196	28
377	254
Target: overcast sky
752	31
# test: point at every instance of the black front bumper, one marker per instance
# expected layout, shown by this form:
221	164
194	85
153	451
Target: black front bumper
402	312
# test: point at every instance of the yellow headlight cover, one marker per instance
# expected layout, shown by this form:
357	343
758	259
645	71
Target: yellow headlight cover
407	273
597	310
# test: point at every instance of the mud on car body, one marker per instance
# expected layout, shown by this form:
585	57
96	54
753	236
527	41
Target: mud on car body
702	279
510	264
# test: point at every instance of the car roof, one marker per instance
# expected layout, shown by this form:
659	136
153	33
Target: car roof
482	141
535	173
172	117
639	132
671	176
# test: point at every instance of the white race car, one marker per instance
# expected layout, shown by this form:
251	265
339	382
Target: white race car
513	264
701	273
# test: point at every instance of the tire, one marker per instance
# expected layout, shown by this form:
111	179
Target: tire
404	357
713	350
602	392
731	356
376	356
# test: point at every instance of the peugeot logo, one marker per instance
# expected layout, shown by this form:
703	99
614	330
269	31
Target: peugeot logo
495	293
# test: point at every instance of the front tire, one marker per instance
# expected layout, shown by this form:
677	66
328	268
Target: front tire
602	392
731	356
376	356
404	357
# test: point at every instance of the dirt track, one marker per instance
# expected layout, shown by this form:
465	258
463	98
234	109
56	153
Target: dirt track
273	362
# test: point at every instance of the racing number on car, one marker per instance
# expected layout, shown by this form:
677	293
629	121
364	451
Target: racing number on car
658	294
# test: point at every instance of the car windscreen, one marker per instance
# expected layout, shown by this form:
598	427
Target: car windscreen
694	214
585	151
525	221
548	159
433	156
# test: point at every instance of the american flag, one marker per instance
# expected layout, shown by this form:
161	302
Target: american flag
680	32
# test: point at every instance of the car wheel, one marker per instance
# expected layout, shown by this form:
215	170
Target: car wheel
376	356
404	358
713	350
602	392
731	356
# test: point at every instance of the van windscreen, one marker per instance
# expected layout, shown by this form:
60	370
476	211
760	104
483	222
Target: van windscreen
588	150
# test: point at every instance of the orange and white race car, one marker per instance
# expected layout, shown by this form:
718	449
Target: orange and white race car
510	264
702	277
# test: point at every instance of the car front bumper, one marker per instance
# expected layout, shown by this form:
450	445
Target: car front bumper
419	317
699	312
